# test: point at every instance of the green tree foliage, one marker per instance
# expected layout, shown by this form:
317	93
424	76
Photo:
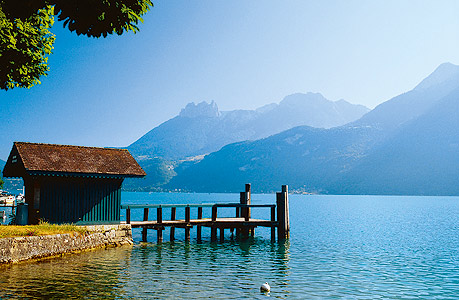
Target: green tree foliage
1	183
25	39
24	46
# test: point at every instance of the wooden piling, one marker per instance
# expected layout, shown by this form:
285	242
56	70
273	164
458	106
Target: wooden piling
128	215
213	229
240	211
199	227
159	220
173	216
145	218
273	227
187	220
287	213
248	196
283	229
244	198
213	233
222	234
214	213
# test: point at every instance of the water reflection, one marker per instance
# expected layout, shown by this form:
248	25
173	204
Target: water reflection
93	274
177	270
209	270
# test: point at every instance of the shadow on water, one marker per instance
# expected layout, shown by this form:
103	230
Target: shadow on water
175	270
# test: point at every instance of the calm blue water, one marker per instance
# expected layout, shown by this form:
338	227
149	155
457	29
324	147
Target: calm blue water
341	247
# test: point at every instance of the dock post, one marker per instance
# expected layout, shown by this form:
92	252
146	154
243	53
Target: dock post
213	229
248	191
128	215
159	221
199	227
240	211
173	216
222	234
248	195
238	214
283	229
273	228
144	229
245	212
287	213
214	213
213	233
187	220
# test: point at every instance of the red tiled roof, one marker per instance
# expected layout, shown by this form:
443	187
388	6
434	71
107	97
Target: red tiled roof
77	159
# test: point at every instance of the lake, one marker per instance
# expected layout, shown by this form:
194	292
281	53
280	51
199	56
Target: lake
341	247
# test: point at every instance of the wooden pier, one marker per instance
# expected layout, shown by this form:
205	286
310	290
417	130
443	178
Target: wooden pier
242	222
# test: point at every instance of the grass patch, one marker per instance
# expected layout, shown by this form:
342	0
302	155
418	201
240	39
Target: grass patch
41	229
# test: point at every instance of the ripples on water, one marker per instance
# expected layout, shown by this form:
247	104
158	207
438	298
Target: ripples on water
340	248
168	271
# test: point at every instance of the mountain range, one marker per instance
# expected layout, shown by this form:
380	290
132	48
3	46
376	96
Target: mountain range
407	145
202	128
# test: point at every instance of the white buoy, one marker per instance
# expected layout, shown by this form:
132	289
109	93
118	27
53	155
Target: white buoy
265	287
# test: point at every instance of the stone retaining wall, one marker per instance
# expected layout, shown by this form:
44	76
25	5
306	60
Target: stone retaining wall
16	249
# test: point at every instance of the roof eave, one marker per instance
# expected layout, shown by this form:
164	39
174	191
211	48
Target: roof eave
75	174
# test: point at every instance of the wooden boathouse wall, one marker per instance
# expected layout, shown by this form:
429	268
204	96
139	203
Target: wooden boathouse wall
76	200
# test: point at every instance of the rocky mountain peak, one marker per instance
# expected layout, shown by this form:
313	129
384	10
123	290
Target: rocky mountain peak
202	109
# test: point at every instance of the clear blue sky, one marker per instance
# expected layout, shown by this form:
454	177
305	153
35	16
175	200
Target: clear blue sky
242	54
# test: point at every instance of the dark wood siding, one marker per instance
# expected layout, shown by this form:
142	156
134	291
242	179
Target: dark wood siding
80	200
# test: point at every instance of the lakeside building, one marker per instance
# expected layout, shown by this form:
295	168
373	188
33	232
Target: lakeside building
71	184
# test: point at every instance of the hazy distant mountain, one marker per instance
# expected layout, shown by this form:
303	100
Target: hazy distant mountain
2	164
420	159
408	106
302	156
159	172
407	145
202	128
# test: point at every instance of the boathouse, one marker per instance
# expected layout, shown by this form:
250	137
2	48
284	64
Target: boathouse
71	184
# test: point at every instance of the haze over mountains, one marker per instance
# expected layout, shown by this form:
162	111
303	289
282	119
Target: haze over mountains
421	158
407	145
202	128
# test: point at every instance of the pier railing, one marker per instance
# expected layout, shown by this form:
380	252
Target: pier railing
242	222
